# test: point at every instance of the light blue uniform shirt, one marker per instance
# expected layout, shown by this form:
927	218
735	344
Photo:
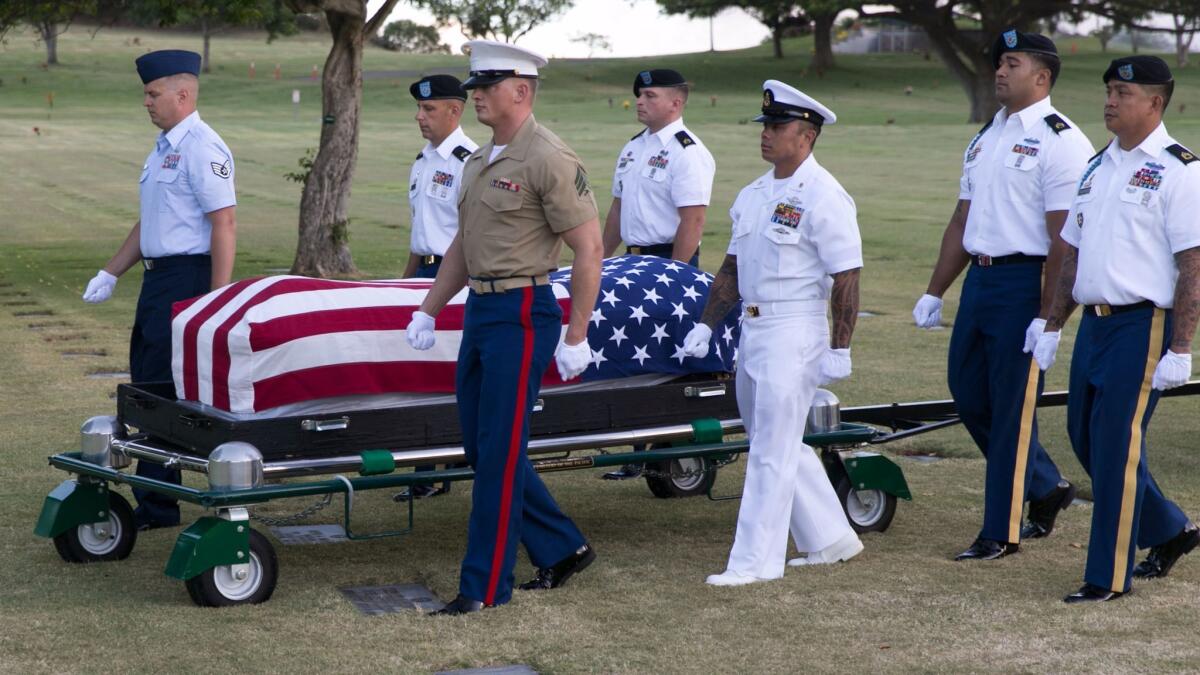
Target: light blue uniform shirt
187	175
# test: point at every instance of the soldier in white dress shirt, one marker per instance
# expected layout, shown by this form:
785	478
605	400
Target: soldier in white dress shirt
795	252
1133	261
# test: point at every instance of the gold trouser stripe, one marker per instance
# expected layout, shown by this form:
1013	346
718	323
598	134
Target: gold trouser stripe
1134	454
1022	458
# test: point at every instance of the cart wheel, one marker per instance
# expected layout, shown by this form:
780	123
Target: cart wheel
868	510
672	487
217	587
112	539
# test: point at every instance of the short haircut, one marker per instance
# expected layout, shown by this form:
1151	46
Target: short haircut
1051	63
683	91
1163	90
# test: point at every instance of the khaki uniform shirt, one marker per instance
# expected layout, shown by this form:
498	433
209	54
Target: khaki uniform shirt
512	211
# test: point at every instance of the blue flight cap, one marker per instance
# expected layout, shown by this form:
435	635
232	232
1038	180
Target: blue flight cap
166	62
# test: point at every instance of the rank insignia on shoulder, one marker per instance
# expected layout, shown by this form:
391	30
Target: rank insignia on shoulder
1056	123
684	139
420	155
581	181
221	170
1182	154
460	153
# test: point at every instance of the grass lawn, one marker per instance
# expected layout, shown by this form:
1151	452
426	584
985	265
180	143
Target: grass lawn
68	196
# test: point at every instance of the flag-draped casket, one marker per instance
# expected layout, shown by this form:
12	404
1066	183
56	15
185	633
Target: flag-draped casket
261	343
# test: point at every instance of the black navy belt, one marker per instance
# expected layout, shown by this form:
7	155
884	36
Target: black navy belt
660	250
988	261
175	260
429	259
1109	310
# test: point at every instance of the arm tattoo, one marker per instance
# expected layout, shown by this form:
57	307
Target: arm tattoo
1187	299
723	294
1064	300
844	307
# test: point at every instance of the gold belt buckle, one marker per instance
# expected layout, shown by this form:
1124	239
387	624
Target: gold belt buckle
428	259
147	264
752	310
635	250
1102	310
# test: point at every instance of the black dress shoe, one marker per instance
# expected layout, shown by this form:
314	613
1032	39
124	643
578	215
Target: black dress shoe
987	549
624	473
1164	556
1093	593
460	605
420	492
557	574
1043	512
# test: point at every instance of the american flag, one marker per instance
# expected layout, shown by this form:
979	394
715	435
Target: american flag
270	341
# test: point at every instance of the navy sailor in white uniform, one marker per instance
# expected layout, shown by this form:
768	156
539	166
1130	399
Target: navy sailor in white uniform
795	253
1133	262
185	238
1019	174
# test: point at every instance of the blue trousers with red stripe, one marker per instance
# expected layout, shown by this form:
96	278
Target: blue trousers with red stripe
1108	412
995	387
179	278
507	343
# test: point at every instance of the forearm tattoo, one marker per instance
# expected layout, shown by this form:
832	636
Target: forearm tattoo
843	305
1064	300
1187	299
724	293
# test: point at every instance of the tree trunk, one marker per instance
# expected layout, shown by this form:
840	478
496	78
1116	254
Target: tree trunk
777	39
205	31
976	77
323	249
1103	45
823	41
1133	40
49	34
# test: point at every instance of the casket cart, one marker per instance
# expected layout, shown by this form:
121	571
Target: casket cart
685	422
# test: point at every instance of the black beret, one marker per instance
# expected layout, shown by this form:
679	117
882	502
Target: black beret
659	77
1013	40
1141	69
167	62
434	87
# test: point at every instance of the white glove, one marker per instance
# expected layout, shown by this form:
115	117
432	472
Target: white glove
1032	333
928	311
420	331
1044	350
572	359
695	343
835	365
1173	370
100	288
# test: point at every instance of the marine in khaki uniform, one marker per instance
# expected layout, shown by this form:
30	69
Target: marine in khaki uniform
523	195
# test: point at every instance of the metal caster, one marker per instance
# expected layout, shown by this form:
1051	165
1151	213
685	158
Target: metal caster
110	539
678	478
868	510
242	584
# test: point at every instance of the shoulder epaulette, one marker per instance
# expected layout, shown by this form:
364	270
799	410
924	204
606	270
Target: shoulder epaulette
984	128
1182	154
1095	156
635	136
420	154
461	153
684	139
1056	123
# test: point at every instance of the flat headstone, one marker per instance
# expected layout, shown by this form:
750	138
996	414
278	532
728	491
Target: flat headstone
519	669
376	600
924	459
866	313
294	535
107	375
277	270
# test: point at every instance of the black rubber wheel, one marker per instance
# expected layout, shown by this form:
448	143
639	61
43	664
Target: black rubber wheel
678	488
868	510
112	539
217	587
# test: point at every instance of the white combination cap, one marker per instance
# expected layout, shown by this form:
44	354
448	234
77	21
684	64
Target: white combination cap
493	61
785	103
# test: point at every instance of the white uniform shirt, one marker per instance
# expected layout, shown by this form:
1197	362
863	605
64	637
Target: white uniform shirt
433	185
1014	172
656	175
1133	211
187	175
789	241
